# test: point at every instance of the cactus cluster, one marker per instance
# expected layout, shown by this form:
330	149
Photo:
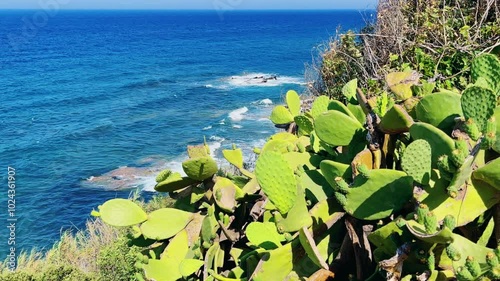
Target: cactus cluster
386	187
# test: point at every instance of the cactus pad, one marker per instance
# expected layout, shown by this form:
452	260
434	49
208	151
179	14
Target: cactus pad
165	223
336	128
489	174
305	125
349	91
235	157
200	168
440	110
281	115
263	235
417	161
226	193
122	212
478	104
396	120
319	106
338	106
440	142
277	180
487	66
401	83
296	218
170	182
385	192
293	102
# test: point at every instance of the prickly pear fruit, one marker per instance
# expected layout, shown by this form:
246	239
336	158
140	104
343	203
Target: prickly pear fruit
463	274
473	266
363	170
430	223
445	164
341	198
422	212
277	180
479	104
458	157
417	161
492	259
450	222
453	253
341	185
471	129
431	262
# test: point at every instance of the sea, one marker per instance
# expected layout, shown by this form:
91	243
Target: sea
93	104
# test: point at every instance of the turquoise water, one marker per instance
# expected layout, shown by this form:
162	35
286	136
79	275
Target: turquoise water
94	103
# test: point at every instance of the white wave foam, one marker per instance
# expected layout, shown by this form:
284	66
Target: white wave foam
266	102
262	80
209	86
222	122
207	128
263	119
238	114
237	126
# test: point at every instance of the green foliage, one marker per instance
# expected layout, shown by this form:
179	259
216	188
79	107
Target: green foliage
317	190
116	261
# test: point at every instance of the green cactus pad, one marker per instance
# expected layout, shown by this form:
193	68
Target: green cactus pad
385	192
293	102
122	212
487	66
440	142
440	110
478	104
305	125
226	193
479	198
396	121
337	129
188	267
281	115
277	264
490	174
401	83
168	267
496	145
338	106
235	157
277	180
464	248
263	235
331	170
173	182
357	111
349	91
200	169
296	218
312	251
319	106
165	223
197	151
417	161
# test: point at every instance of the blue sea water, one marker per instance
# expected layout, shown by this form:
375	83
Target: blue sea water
94	103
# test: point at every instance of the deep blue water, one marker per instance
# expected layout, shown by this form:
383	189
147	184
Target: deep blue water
88	93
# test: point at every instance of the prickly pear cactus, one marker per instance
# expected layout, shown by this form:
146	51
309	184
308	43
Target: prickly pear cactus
487	66
417	161
479	105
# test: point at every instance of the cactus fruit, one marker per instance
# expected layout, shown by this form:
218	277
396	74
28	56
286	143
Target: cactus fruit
463	274
430	223
337	129
479	104
417	161
428	234
122	212
277	180
492	259
440	110
396	121
473	266
450	222
471	129
453	253
363	171
444	164
422	212
341	198
431	262
487	66
341	185
383	193
458	157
